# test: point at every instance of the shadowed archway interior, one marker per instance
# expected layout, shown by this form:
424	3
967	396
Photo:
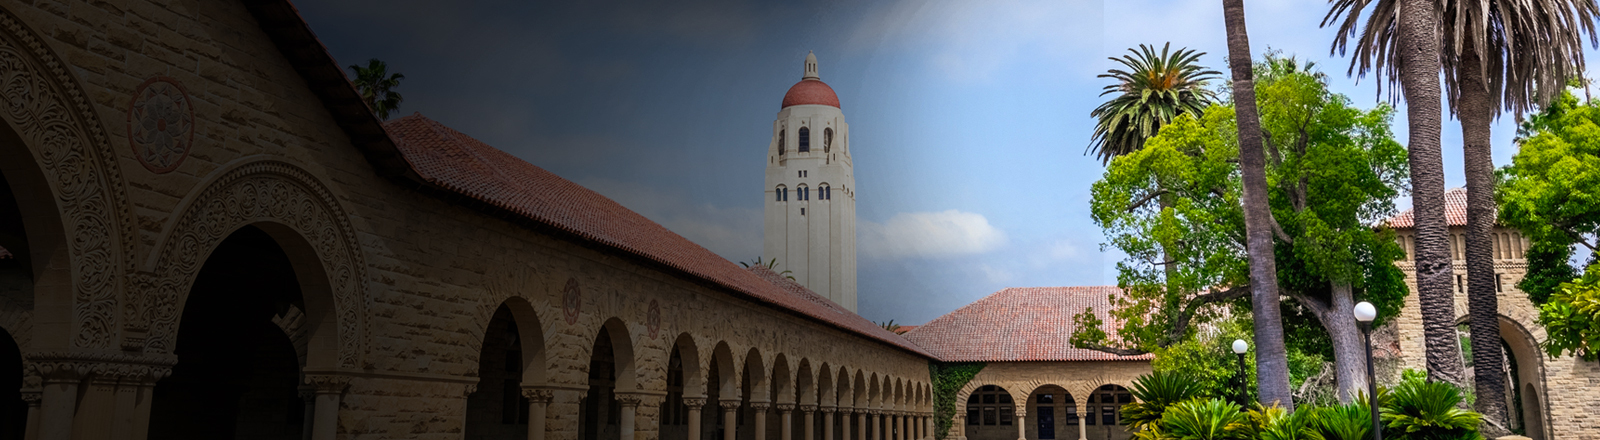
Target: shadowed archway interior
238	373
497	409
13	411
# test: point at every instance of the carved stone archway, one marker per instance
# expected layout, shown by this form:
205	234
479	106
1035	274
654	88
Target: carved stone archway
265	192
48	110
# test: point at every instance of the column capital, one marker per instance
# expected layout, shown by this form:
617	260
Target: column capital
760	406
829	409
808	408
337	383
539	395
32	397
629	400
784	407
694	402
59	367
730	405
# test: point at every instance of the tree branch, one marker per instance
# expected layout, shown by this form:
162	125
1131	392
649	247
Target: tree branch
1277	230
1146	199
1180	325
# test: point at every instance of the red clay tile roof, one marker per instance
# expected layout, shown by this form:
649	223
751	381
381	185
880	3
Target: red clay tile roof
1019	324
458	163
1455	211
810	91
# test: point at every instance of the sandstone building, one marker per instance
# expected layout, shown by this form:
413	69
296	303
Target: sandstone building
209	235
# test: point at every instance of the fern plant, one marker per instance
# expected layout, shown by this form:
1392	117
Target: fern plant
1276	423
1421	410
1153	393
1343	422
1205	419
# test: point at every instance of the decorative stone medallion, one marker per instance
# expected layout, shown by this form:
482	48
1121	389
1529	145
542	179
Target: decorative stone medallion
161	124
652	318
572	300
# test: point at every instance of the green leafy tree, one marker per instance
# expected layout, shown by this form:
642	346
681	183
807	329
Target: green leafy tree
377	86
1332	172
1152	90
1572	317
1551	191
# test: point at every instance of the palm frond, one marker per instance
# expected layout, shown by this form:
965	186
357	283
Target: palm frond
1150	91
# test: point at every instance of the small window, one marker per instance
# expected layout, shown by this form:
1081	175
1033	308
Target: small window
1072	414
778	194
1499	286
805	140
973	417
1005	415
802	211
989	418
781	133
1046	398
1459	287
827	140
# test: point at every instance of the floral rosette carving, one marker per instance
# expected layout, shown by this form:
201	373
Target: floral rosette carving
161	124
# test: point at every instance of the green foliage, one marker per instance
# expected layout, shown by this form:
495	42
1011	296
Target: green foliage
1154	393
1572	317
948	378
1205	419
1333	172
377	86
1153	91
1207	357
1417	409
1276	423
1343	422
892	327
1551	190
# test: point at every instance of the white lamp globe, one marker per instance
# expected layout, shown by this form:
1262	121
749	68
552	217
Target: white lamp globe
1239	346
1365	312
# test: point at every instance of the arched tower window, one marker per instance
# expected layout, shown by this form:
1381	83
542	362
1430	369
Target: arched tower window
781	133
827	140
781	194
805	139
824	192
801	193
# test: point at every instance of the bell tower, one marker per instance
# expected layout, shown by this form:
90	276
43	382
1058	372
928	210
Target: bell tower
810	209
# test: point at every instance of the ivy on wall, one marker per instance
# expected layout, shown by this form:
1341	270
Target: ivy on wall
948	378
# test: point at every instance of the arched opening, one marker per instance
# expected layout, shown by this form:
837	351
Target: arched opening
805	140
754	388
1521	375
238	371
781	390
805	394
610	371
723	386
1054	414
991	414
512	357
683	380
782	140
1103	413
827	140
13	411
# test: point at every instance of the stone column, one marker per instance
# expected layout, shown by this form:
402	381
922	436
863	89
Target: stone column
759	411
538	410
827	422
330	390
1022	423
905	426
876	424
807	413
630	407
308	399
1083	425
785	421
927	426
730	420
861	424
694	404
58	401
958	425
31	431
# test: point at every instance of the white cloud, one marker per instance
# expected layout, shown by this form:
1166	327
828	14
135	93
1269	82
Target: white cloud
1064	250
734	233
995	274
928	234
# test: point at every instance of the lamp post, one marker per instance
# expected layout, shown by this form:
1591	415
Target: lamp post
1239	348
1365	313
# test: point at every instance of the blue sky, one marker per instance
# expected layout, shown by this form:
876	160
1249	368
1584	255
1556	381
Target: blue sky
969	117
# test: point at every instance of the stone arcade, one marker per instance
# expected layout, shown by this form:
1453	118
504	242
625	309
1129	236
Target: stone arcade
207	235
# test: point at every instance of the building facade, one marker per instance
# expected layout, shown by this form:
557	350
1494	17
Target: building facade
810	213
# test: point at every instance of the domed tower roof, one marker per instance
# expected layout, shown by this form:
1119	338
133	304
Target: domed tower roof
811	90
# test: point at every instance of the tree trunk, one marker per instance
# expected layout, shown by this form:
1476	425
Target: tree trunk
1419	81
1476	111
1349	350
1272	359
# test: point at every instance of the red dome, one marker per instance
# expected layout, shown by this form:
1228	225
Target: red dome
810	92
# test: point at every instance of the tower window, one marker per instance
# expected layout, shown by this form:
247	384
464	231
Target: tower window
824	192
802	211
781	139
782	194
1459	287
805	139
827	140
1499	286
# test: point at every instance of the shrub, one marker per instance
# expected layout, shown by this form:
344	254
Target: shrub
1154	393
1205	419
1276	423
1420	410
1343	422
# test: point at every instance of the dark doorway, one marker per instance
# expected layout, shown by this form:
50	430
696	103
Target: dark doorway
601	412
238	373
497	409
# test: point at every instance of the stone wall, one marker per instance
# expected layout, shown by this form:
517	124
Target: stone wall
402	284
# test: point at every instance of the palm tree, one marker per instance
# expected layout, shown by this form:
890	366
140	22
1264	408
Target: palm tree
1272	358
1155	88
1510	55
377	87
1400	43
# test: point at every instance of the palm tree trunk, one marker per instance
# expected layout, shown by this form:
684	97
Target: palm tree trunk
1483	305
1419	80
1272	359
